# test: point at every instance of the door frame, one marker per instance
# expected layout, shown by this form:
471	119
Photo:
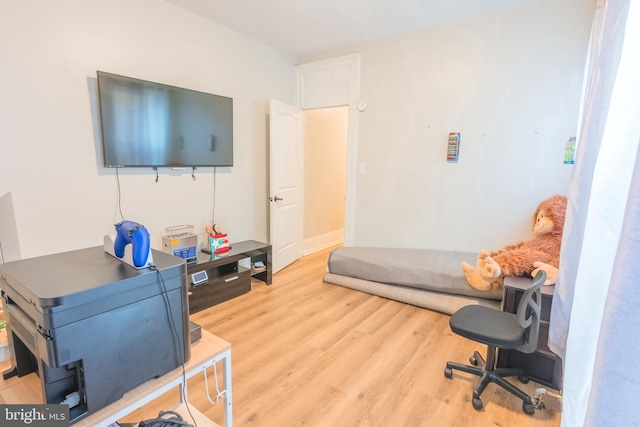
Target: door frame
331	83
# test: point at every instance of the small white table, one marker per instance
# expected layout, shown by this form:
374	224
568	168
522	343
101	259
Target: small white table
205	353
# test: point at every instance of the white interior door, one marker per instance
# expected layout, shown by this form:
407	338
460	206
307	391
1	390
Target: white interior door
286	183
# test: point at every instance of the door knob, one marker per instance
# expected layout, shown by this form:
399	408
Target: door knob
275	199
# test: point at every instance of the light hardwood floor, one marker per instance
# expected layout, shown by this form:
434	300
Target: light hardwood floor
309	353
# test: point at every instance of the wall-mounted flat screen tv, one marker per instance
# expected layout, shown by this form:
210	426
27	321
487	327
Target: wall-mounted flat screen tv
146	124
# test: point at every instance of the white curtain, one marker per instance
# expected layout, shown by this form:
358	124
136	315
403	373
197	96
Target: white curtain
596	308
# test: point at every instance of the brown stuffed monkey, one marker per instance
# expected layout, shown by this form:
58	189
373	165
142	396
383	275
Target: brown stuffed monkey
541	253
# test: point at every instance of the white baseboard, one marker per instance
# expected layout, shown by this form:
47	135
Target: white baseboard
317	243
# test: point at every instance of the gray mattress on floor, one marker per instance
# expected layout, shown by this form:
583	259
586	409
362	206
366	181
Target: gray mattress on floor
426	278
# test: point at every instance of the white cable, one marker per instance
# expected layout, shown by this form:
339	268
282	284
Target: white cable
72	399
206	386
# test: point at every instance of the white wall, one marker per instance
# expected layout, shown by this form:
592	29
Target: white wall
510	82
325	153
50	157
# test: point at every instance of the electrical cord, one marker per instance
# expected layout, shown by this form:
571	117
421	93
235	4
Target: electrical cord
206	386
179	347
213	212
175	420
118	194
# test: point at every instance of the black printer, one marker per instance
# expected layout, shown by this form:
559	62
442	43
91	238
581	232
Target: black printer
92	326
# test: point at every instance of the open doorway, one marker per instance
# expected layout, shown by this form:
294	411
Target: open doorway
325	158
325	84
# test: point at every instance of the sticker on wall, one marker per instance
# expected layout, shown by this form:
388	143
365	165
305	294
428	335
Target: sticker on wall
453	147
570	151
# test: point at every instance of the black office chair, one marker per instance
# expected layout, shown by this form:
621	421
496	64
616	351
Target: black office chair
499	329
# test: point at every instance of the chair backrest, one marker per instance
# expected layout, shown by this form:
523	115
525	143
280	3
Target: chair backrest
528	313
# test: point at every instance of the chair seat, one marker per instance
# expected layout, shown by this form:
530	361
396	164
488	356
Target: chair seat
499	329
488	326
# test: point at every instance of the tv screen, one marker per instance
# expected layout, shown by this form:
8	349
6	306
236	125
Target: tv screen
146	124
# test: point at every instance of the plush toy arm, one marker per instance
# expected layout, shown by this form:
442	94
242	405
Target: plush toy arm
507	248
512	247
552	272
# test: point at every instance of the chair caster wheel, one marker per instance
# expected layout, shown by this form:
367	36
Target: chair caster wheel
528	408
448	372
477	404
523	379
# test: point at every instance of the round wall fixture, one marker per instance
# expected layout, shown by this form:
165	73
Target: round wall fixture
362	105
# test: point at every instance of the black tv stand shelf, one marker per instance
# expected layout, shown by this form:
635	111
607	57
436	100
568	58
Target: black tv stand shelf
227	278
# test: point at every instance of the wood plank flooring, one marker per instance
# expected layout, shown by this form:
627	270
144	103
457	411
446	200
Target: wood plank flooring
308	353
315	354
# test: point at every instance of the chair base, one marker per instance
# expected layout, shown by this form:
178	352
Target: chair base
489	374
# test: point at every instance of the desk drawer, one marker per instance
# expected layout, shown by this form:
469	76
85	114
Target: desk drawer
219	290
